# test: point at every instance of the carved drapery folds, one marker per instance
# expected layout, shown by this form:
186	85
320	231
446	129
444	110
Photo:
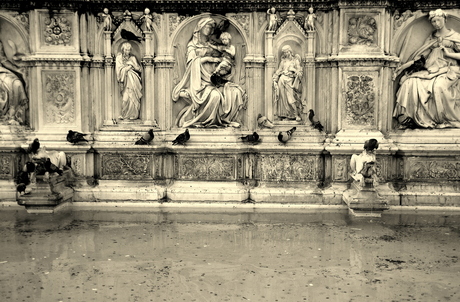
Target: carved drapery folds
59	97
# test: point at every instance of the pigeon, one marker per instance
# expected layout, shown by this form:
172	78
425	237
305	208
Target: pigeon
21	188
286	135
75	137
146	138
418	65
251	138
29	167
182	138
52	168
314	122
130	36
263	121
23	178
34	146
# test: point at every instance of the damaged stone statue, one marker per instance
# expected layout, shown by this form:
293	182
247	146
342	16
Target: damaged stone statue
430	80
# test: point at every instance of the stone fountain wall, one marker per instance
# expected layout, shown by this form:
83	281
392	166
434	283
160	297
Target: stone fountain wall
67	57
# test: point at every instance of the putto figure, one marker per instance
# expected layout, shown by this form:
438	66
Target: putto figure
128	76
429	83
228	54
272	19
107	18
147	18
287	85
310	20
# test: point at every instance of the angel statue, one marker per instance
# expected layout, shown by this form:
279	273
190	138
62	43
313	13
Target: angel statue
287	85
272	19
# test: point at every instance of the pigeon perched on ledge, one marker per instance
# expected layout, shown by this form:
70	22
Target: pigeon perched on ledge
75	137
285	136
182	138
146	138
314	122
251	138
34	146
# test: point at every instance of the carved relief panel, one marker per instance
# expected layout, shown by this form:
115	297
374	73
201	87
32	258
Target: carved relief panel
214	167
362	31
431	170
59	101
6	166
340	166
57	32
284	167
128	166
359	99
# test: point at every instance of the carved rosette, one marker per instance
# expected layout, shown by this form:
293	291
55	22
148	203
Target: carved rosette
5	167
57	31
424	169
126	166
360	100
283	167
206	167
59	103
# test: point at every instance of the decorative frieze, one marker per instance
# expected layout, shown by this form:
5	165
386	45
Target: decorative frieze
285	167
215	167
429	169
126	166
59	97
6	166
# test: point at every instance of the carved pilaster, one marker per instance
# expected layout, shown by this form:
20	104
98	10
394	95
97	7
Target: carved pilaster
164	70
269	71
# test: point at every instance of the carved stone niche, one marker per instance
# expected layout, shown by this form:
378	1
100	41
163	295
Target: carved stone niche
362	31
290	34
236	26
359	98
57	32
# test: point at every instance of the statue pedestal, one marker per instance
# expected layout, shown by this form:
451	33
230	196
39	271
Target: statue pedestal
364	200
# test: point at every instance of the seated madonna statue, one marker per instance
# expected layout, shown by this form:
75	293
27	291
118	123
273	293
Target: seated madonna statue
430	80
209	104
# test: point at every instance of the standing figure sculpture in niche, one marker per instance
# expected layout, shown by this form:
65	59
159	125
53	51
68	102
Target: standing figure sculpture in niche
128	76
430	83
209	105
287	86
13	98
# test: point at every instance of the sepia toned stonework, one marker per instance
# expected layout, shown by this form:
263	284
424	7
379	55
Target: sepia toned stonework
59	93
206	167
360	100
283	168
126	166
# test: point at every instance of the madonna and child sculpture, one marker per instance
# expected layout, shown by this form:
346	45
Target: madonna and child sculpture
209	103
430	80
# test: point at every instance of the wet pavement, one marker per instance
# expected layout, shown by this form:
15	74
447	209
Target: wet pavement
171	255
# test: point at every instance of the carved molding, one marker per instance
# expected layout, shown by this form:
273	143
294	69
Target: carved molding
215	167
126	166
284	167
425	169
59	97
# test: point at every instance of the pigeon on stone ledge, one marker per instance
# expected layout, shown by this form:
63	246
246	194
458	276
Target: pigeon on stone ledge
21	188
285	136
75	137
314	122
34	146
52	168
182	138
146	138
251	138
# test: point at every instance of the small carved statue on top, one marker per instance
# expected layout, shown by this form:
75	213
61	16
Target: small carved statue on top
147	19
310	20
107	18
363	165
272	19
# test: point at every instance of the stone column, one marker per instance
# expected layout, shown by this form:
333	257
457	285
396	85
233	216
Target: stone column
109	105
148	107
309	103
269	71
164	66
254	90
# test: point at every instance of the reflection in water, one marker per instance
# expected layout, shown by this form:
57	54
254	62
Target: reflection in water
227	256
